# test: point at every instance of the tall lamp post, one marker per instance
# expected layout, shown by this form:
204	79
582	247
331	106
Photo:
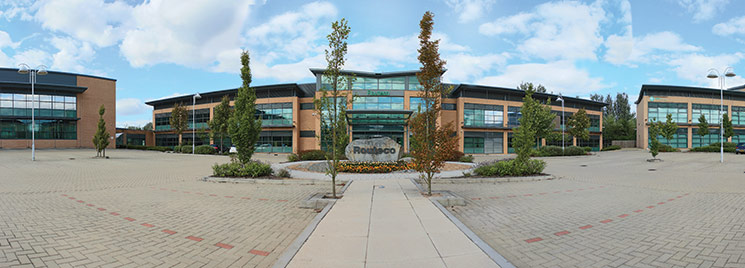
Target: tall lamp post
713	73
562	121
194	121
40	70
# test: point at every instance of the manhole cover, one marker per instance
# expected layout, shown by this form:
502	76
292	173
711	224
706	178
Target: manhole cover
72	158
652	169
583	165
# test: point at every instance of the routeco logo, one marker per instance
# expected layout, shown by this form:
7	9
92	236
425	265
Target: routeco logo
373	150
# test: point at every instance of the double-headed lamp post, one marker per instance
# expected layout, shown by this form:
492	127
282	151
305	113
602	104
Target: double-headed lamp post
713	73
194	121
562	121
40	70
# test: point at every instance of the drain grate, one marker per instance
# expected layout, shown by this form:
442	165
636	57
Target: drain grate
583	165
652	169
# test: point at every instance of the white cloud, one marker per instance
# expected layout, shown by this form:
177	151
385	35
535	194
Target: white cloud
31	57
703	9
733	26
555	30
6	41
463	67
558	76
649	48
694	67
95	21
469	10
73	55
131	106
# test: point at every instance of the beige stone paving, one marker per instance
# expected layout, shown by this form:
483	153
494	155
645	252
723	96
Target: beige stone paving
700	224
40	227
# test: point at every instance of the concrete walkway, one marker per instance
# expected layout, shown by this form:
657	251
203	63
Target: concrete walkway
387	223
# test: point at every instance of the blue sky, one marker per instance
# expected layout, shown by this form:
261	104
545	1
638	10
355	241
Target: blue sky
163	48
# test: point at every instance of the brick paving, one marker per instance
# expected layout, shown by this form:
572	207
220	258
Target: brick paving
689	212
140	209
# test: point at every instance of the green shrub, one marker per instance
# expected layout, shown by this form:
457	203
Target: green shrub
611	148
177	148
204	149
551	150
143	147
726	145
712	149
283	173
664	148
252	169
511	168
293	157
312	155
406	155
587	149
186	149
466	158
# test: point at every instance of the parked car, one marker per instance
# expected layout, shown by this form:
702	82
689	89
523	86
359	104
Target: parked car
740	148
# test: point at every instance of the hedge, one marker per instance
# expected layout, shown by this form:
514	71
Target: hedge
204	149
551	150
510	167
253	169
147	148
611	148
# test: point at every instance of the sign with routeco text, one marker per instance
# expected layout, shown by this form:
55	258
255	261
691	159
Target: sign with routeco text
382	149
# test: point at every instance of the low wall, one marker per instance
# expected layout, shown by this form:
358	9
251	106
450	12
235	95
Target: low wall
625	143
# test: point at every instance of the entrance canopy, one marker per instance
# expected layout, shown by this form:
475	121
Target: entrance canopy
377	117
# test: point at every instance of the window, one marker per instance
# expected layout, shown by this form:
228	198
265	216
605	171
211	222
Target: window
679	140
413	83
20	105
594	123
482	115
738	116
710	112
483	142
274	142
307	106
593	142
308	134
739	136
378	103
135	139
168	140
658	111
448	106
568	141
361	83
202	117
201	138
392	83
163	121
275	114
45	129
416	104
326	83
698	141
558	120
513	116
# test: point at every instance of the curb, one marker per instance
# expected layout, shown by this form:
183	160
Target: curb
493	254
268	181
293	249
492	180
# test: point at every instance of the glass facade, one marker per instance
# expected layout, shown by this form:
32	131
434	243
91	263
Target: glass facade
378	103
45	129
202	117
698	141
738	116
392	83
163	121
593	142
710	112
168	140
679	140
482	115
274	142
594	123
326	84
414	83
135	139
201	138
483	142
19	105
558	120
658	111
557	142
274	114
513	116
416	103
739	136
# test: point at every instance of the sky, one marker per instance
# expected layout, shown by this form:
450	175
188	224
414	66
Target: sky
163	48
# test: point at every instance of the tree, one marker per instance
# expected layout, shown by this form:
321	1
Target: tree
219	123
431	144
703	127
179	119
579	124
101	138
244	126
727	125
525	86
536	122
658	128
148	126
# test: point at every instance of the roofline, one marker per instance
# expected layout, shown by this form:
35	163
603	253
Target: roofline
316	71
44	86
76	74
225	91
646	87
553	96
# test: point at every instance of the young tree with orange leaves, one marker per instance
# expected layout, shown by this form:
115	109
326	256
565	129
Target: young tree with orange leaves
431	144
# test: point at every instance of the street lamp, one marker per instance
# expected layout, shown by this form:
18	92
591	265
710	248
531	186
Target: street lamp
562	122
713	73
40	70
194	121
